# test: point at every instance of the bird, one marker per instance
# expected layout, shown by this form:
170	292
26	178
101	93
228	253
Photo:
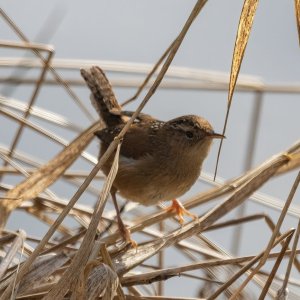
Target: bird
159	160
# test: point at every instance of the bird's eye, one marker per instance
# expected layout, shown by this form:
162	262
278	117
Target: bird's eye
189	134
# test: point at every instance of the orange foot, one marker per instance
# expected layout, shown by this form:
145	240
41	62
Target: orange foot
125	233
180	211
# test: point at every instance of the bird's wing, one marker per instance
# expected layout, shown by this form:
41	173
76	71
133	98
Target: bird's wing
137	140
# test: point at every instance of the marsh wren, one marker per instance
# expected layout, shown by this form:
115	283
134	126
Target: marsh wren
158	160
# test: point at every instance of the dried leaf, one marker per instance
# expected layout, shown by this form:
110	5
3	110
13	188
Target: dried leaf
245	24
41	269
102	281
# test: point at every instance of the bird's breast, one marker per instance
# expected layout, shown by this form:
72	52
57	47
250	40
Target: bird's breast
148	181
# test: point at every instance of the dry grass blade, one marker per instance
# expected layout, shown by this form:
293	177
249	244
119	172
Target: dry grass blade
109	151
15	247
297	12
199	5
244	28
196	10
46	175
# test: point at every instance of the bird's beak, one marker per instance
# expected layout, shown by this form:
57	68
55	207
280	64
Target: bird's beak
215	135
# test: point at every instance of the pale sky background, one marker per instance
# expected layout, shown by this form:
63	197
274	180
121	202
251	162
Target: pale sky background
140	31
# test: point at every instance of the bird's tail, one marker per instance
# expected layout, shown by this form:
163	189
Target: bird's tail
102	97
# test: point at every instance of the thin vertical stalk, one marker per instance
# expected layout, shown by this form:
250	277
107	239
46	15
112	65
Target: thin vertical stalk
255	118
283	289
275	268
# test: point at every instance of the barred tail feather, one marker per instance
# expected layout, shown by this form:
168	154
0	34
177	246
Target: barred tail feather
102	97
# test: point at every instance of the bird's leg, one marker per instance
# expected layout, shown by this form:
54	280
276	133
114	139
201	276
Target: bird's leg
125	232
180	211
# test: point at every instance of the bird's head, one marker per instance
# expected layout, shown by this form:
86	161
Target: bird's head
190	133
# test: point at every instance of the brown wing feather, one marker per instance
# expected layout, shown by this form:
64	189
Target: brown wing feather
137	141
